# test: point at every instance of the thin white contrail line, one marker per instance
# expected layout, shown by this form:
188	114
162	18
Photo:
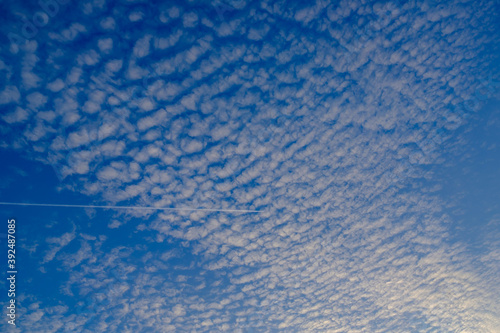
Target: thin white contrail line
130	207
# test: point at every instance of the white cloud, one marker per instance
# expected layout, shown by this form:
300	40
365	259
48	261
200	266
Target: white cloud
89	58
9	94
190	20
108	23
114	65
141	48
59	243
174	12
68	35
258	34
303	126
56	85
136	16
105	45
19	115
169	41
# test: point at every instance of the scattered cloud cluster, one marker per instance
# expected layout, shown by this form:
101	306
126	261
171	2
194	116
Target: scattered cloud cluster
304	112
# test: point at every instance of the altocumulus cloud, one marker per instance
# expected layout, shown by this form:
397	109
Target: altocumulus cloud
298	110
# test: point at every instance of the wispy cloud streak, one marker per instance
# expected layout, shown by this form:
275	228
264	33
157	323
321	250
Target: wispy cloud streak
130	207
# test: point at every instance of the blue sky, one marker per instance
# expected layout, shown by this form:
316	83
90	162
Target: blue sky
365	134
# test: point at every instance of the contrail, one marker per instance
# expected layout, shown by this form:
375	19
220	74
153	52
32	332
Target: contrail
131	207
